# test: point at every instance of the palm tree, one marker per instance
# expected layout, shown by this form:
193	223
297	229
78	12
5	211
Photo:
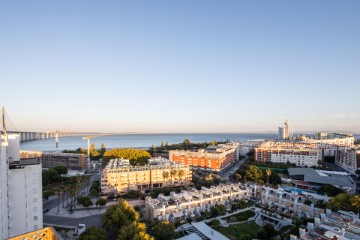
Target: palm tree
181	174
268	173
73	191
174	173
165	175
59	192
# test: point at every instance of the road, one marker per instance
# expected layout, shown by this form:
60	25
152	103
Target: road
93	220
226	174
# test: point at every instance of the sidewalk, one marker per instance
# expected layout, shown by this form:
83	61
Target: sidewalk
80	211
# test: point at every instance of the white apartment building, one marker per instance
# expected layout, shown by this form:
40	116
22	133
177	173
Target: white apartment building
21	190
196	202
300	154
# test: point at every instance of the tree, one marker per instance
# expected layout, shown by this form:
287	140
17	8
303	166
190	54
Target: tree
165	175
102	149
355	203
100	202
85	201
47	194
173	174
330	190
61	169
119	215
186	144
268	173
93	193
162	230
341	201
59	191
268	232
181	174
136	156
135	230
253	173
245	237
217	210
93	233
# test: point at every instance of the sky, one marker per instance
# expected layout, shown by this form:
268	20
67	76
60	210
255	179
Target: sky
180	66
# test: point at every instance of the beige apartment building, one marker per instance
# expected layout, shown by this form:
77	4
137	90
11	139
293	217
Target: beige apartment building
120	177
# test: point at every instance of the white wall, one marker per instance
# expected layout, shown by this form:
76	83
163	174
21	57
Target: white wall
25	199
14	147
3	188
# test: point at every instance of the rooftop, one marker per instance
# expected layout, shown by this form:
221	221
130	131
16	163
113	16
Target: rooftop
323	177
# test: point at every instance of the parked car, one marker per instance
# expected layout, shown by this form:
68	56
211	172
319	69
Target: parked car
79	229
46	210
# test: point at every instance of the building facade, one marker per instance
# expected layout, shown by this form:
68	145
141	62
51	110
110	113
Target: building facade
196	202
120	177
348	159
21	190
214	160
73	161
300	154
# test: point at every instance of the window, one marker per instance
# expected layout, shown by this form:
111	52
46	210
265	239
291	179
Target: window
35	209
35	200
36	227
35	190
35	217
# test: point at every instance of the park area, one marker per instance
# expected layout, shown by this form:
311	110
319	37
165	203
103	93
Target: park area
241	231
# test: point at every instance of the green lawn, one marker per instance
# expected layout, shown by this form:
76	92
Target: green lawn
234	232
242	216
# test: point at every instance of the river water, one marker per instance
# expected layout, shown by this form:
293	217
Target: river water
137	140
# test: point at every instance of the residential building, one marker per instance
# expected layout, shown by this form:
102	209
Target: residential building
335	139
283	132
195	202
73	161
309	178
300	154
348	159
214	159
120	177
21	190
330	225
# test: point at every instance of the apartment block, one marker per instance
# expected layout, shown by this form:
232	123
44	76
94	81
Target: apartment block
348	159
196	202
300	154
213	159
21	190
120	177
73	161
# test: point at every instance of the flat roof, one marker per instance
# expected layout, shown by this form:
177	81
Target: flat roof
192	236
208	231
323	177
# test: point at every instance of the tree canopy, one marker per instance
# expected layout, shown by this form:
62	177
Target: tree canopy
135	230
136	156
162	230
93	233
119	215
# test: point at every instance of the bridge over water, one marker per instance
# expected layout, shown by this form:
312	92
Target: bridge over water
31	136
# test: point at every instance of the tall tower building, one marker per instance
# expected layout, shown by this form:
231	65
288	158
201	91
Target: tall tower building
286	130
20	190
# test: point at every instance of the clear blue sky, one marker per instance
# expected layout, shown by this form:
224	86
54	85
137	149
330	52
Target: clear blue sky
180	66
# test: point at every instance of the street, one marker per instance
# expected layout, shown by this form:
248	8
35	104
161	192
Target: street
226	174
93	220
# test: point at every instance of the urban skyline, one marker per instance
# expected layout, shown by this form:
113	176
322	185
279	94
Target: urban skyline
170	67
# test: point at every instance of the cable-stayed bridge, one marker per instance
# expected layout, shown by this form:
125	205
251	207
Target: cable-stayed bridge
31	136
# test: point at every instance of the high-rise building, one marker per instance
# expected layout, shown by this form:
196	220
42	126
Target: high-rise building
21	190
286	129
